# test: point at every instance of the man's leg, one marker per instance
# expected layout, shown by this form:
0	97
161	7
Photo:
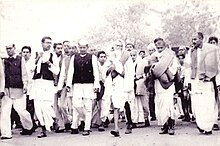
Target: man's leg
30	109
5	117
152	106
116	118
15	118
128	116
20	106
77	109
64	107
88	115
145	104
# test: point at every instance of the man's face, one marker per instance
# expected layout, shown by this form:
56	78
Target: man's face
213	42
73	50
142	54
93	51
102	58
133	55
118	46
26	54
181	60
58	50
66	47
129	47
196	41
83	49
151	50
160	45
10	50
46	44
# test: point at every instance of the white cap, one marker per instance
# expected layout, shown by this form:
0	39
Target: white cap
83	42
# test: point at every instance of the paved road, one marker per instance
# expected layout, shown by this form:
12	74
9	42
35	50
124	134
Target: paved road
186	135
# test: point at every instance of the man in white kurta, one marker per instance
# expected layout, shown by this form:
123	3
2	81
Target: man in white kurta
65	100
201	74
30	66
83	79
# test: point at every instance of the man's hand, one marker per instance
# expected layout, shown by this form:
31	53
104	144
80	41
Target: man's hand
96	90
25	90
112	67
49	63
59	93
67	88
2	94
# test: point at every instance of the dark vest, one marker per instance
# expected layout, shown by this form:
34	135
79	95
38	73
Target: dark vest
13	72
83	70
45	73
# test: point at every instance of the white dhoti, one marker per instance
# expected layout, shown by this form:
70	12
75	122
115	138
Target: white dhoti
43	95
164	106
204	103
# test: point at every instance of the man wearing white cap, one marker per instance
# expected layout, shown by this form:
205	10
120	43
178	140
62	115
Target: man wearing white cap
83	79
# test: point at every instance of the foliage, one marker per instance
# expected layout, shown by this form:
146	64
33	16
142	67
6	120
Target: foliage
182	21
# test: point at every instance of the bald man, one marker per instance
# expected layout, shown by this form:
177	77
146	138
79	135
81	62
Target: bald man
203	76
83	79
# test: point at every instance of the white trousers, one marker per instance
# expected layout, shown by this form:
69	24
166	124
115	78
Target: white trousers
19	105
82	107
140	108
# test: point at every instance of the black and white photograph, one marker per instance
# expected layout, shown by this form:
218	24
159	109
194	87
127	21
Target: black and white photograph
109	73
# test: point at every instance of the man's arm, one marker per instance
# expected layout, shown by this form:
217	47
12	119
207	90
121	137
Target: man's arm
2	76
24	75
95	72
187	69
54	67
129	75
70	72
218	75
62	76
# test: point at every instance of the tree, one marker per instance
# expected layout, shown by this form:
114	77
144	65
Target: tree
180	22
127	22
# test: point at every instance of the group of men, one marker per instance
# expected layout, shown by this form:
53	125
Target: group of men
73	89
